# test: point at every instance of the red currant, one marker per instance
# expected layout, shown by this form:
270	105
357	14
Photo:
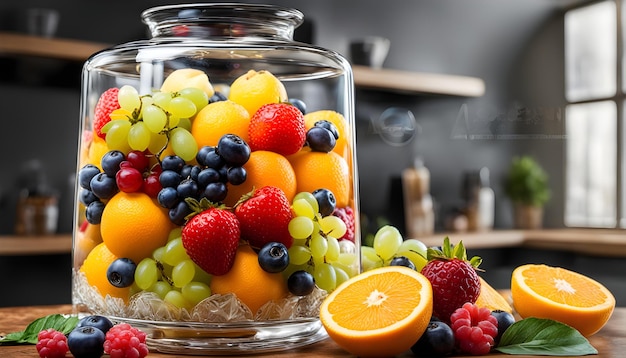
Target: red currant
151	185
129	180
139	160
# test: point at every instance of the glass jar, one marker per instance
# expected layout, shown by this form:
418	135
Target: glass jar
175	130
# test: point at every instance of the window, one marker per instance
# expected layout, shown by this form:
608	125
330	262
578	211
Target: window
594	116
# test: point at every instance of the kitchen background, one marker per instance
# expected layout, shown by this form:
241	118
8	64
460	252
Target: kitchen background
515	47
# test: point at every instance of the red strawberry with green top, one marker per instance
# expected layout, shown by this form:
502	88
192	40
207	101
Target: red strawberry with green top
277	127
264	216
453	278
211	237
346	214
106	104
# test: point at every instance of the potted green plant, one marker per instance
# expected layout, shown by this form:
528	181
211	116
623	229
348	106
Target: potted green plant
527	186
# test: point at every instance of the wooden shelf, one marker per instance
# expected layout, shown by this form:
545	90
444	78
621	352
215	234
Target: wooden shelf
35	245
364	77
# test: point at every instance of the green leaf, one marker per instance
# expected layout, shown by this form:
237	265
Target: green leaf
536	336
29	335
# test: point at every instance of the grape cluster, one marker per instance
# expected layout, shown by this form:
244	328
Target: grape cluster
152	122
128	173
172	275
217	167
390	248
317	256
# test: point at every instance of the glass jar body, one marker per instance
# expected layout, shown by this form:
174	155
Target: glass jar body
171	291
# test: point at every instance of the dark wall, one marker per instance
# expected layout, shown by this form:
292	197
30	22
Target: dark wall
515	46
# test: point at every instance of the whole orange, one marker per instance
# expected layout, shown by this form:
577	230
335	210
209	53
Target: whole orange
256	88
249	282
217	119
133	225
95	269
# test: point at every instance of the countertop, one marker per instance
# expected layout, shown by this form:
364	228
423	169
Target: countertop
610	341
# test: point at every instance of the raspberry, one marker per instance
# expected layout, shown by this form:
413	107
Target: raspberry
474	329
125	341
347	215
51	344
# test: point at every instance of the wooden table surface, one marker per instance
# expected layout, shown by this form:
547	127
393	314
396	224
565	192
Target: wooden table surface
610	341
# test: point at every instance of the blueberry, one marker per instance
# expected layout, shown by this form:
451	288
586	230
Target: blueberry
320	139
195	171
328	125
233	149
185	172
273	257
173	162
87	196
93	212
298	103
402	261
223	174
100	322
178	213
111	162
505	319
208	176
187	189
300	283
202	153
85	175
236	175
214	160
86	342
437	340
104	186
121	272
215	192
169	179
168	197
326	200
217	97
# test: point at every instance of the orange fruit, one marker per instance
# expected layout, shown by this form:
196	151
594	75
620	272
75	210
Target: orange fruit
95	269
379	313
490	298
336	118
562	295
316	170
133	225
97	149
264	168
249	282
254	89
217	119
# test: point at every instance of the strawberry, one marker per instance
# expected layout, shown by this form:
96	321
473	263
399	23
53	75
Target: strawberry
264	216
277	127
453	278
211	238
347	215
106	104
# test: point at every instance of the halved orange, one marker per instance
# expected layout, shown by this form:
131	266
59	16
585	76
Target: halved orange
381	312
562	295
490	298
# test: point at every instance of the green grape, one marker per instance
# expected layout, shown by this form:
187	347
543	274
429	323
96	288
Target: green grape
301	207
293	268
155	118
414	245
325	277
387	241
299	255
199	98
418	260
309	199
201	275
183	144
128	98
299	242
176	298
145	102
175	233
300	227
175	252
172	121
333	224
161	288
146	273
184	123
332	254
369	258
349	263
183	273
157	142
194	292
117	134
340	274
139	136
347	246
318	245
182	107
162	99
157	254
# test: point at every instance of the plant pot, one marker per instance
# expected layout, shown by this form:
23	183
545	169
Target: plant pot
528	217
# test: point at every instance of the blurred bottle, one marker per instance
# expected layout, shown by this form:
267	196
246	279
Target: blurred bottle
418	203
480	200
37	206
